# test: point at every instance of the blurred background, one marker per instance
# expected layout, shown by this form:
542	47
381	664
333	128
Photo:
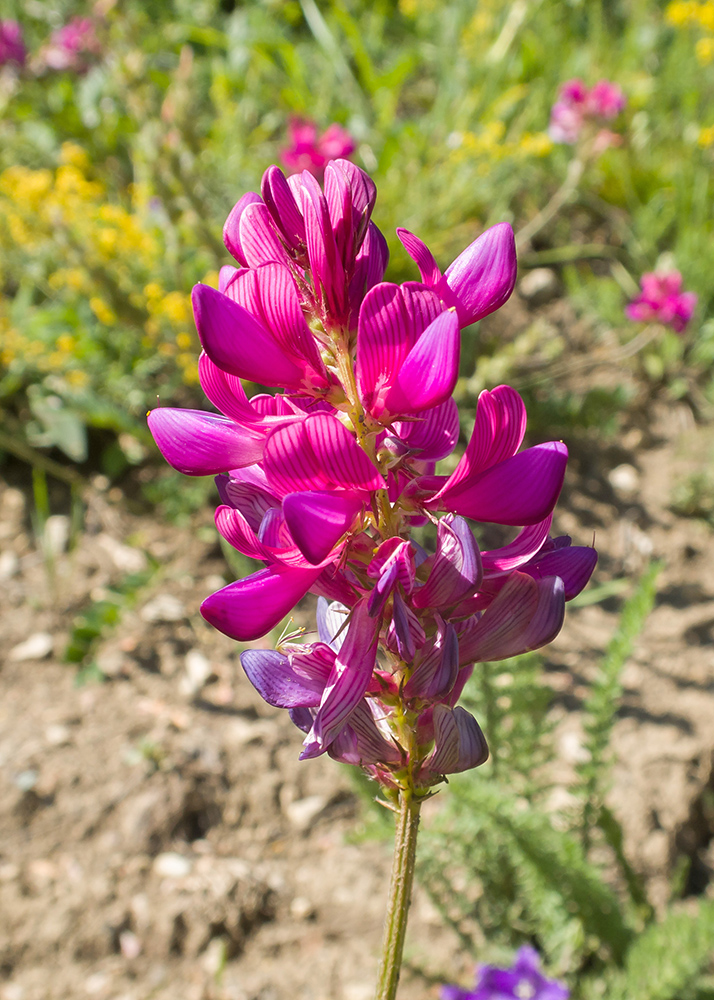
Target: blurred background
162	839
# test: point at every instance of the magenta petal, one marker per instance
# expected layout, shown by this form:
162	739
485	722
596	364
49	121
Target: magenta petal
279	683
421	255
369	267
202	444
456	566
237	343
225	391
249	608
498	432
231	230
434	435
459	743
521	490
430	370
523	547
525	615
391	320
328	274
317	520
574	564
360	741
347	683
259	239
319	453
282	206
484	275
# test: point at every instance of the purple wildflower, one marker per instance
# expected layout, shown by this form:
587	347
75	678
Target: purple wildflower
578	106
310	151
523	979
12	45
663	301
322	482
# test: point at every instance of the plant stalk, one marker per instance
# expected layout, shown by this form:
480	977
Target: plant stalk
400	893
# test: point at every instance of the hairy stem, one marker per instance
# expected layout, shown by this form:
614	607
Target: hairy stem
400	892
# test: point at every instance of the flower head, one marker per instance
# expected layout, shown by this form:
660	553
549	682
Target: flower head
310	151
12	46
578	106
323	481
523	980
663	301
70	47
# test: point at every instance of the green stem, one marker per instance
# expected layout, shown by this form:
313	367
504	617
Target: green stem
400	892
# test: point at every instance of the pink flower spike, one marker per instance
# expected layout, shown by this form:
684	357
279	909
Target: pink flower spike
203	444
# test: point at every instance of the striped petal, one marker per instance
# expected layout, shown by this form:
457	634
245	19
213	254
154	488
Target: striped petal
526	614
428	375
238	343
521	490
317	520
347	683
281	204
456	566
203	444
484	275
434	435
231	230
259	239
319	453
523	547
459	743
282	684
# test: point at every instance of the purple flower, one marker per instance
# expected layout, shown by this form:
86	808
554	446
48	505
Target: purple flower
71	46
322	482
12	46
523	979
663	301
578	106
309	151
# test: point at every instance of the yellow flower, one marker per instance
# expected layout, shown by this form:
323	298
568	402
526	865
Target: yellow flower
102	311
184	341
66	343
74	155
77	378
704	50
706	137
538	144
176	307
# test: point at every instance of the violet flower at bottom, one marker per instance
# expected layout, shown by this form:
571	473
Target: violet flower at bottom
522	981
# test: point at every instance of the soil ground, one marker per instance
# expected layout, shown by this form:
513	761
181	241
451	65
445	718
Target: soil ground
160	838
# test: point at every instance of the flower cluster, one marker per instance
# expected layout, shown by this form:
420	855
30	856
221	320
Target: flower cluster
663	301
578	105
12	46
523	979
71	47
691	13
324	481
308	151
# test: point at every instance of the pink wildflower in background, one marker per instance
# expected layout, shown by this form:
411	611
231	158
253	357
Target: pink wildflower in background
308	151
523	980
12	46
70	46
663	301
578	105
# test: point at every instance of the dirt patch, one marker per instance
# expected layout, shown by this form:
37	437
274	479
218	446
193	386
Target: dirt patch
160	837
